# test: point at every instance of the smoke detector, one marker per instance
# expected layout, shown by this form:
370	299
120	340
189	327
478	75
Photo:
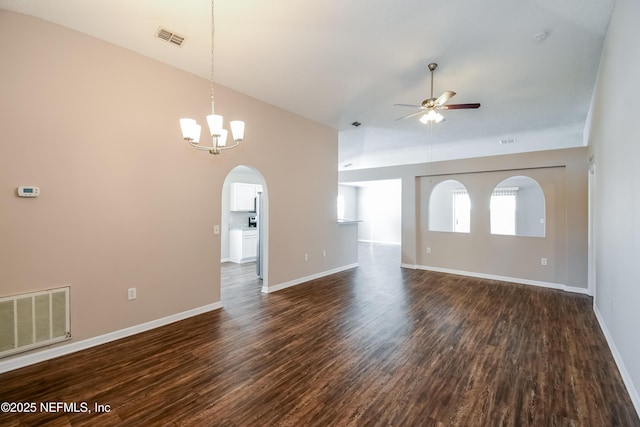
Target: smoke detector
540	37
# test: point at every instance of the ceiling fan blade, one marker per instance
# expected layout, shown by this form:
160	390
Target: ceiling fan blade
458	106
444	97
408	105
415	113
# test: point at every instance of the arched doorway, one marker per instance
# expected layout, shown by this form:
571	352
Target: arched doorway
244	230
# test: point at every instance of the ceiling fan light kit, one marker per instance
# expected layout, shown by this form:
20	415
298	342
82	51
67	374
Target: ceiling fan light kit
191	130
431	116
428	109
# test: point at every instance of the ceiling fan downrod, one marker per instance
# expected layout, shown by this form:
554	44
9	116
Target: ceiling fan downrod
432	68
429	103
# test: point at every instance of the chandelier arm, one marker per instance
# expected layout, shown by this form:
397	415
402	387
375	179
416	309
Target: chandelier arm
227	147
200	147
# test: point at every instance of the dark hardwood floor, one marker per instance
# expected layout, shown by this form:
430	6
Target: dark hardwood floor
376	345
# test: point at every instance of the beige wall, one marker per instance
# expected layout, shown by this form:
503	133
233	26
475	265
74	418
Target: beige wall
613	138
124	201
562	175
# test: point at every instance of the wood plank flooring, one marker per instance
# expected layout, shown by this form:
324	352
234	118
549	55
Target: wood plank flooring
377	345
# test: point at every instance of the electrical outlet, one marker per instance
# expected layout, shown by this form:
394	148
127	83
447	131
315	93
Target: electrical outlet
428	250
543	261
131	293
306	257
324	253
216	229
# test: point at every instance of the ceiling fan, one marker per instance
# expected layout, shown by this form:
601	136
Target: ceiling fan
429	107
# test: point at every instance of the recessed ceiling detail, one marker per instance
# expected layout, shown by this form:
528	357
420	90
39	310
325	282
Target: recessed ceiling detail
169	36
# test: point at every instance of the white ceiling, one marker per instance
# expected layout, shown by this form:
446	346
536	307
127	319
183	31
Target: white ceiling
338	61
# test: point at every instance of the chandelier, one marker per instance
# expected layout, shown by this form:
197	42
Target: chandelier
191	129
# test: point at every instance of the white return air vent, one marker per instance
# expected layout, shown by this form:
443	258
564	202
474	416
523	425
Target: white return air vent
170	36
33	320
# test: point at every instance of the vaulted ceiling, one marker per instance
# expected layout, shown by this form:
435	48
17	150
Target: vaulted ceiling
532	64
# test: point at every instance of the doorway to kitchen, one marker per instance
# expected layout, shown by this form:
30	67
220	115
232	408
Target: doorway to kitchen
244	233
377	205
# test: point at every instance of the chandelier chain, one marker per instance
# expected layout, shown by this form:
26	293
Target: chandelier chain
213	29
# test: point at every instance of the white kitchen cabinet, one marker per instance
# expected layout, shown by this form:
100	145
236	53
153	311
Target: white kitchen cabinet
242	197
243	245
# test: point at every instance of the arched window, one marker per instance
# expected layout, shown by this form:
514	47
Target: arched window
518	208
450	207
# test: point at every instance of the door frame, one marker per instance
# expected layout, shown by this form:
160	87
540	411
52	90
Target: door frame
591	249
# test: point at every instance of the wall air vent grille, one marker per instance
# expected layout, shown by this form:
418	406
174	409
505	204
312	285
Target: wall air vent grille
33	320
170	37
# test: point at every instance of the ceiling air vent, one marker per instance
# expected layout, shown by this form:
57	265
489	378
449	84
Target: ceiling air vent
170	36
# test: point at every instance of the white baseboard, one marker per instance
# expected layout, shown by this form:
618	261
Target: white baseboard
51	353
521	281
224	260
379	242
274	288
626	378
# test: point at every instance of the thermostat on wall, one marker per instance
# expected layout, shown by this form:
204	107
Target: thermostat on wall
28	191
